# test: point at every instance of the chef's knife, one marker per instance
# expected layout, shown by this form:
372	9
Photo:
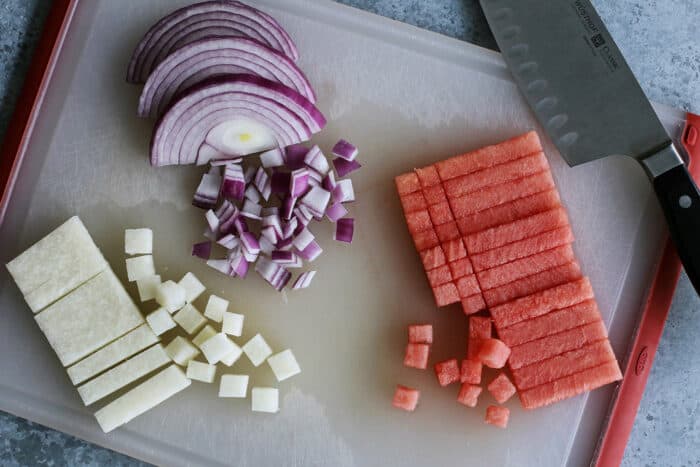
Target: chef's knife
590	104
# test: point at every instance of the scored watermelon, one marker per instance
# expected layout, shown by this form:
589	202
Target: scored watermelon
413	202
418	221
447	232
473	304
407	183
501	388
447	372
406	398
426	239
467	286
439	276
469	394
479	329
420	333
493	353
434	195
470	371
446	294
454	250
428	176
497	416
461	267
433	258
440	213
417	356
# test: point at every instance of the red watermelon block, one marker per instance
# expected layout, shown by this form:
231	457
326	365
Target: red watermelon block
541	303
496	175
454	250
522	248
407	183
446	294
425	239
473	346
501	388
507	273
556	344
433	258
509	212
480	327
470	371
418	221
467	286
570	386
417	356
473	304
493	353
447	372
434	195
447	232
552	323
420	334
497	416
517	230
428	176
440	213
500	194
439	276
461	267
566	364
533	284
514	148
469	394
413	202
406	398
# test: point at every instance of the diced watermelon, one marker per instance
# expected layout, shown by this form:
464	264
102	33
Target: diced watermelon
428	176
445	294
469	394
418	221
406	398
551	323
407	183
473	346
470	371
496	175
467	286
454	250
493	353
434	195
440	213
547	347
497	416
509	212
461	267
533	284
420	334
439	276
425	239
541	303
447	232
570	386
413	202
501	388
523	267
433	258
517	230
473	304
522	248
500	194
417	356
447	372
514	148
563	365
480	327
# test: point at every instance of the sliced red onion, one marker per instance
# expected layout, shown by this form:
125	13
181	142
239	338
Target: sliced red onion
298	182
311	252
202	250
251	210
280	182
272	158
266	246
283	257
304	280
208	153
317	161
207	193
288	207
270	211
250	243
252	194
222	161
344	229
289	228
344	192
316	200
343	167
212	220
221	265
229	241
233	186
303	239
335	212
294	156
344	150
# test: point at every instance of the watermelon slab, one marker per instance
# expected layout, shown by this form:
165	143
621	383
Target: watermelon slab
433	258
447	372
418	221
406	398
447	232
479	329
417	356
426	239
497	416
428	176
446	294
461	267
435	194
473	304
493	353
439	276
467	286
440	213
407	183
454	250
501	388
470	371
469	394
420	334
413	202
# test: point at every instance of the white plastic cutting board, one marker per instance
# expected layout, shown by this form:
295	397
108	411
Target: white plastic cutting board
408	98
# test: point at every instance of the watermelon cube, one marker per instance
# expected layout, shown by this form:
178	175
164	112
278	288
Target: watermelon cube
473	346
447	232
433	258
428	176
473	304
497	416
479	329
413	202
467	286
447	372
406	398
425	240
493	353
469	394
407	183
445	294
420	334
439	276
417	356
454	250
470	371
440	213
418	221
501	388
434	195
460	268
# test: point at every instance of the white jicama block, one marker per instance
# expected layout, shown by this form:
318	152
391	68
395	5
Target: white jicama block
171	296
160	321
90	317
56	264
257	350
181	351
217	347
190	319
265	400
205	334
125	373
140	267
138	241
216	307
232	357
233	386
142	398
232	324
193	287
148	286
201	371
111	354
284	365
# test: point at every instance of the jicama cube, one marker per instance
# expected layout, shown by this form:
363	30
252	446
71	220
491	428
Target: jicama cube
233	356
142	398
470	371
171	296
160	321
469	394
125	373
138	241
501	388
265	400
111	354
148	286
493	353
181	351
257	350
216	306
417	356
284	365
497	416
217	347
447	372
405	398
200	371
140	267
89	318
207	332
190	319
193	287
420	334
232	324
233	386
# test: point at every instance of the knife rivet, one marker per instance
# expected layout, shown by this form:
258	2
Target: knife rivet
557	121
546	104
537	86
568	139
518	51
528	68
502	14
511	32
685	201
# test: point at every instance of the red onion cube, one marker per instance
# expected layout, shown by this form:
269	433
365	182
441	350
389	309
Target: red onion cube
249	174
298	182
250	243
314	178
344	192
317	161
207	193
284	243
304	280
344	167
282	256
239	265
251	193
280	182
294	156
233	186
316	200
289	228
269	234
311	252
229	241
240	225
344	150
272	158
270	211
250	256
335	212
273	221
303	239
209	234
221	265
212	220
202	250
301	217
329	182
251	210
298	262
288	207
266	246
344	230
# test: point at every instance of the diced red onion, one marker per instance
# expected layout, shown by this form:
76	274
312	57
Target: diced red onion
249	174
229	241
270	211
240	225
212	220
280	182
252	194
273	221
303	216
207	193
251	210
329	182
284	243
268	233
208	233
344	192
288	207
250	256
233	186
219	162
239	265
343	167
289	228
272	158
202	250
316	160
206	153
312	251
315	178
344	150
282	256
344	229
303	239
298	262
298	182
335	212
294	156
316	200
273	273
266	246
304	280
221	265
250	243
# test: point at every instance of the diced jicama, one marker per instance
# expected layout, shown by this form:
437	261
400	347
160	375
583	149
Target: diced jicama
265	400
417	356
272	158
193	287
344	230
200	371
501	388
420	334
138	241
217	347
202	336
148	286
125	373
284	365
447	372
202	250
190	319
140	267
470	371
343	191
304	280
469	394
232	324
233	356
142	398
171	296
344	150
160	321
405	398
344	167
335	212
257	350
497	416
207	193
181	351
233	386
493	353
